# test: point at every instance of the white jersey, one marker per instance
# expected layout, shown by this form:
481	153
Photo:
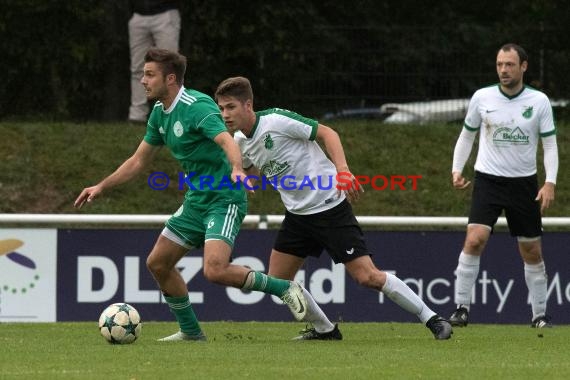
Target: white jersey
283	147
509	129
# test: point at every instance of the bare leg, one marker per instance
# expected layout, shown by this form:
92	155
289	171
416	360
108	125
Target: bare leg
161	263
365	273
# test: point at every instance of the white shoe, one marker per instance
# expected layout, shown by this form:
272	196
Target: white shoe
295	300
179	336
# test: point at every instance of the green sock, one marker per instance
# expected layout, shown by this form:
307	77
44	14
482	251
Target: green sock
266	284
182	310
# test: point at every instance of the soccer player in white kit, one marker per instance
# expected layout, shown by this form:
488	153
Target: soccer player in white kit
281	145
511	119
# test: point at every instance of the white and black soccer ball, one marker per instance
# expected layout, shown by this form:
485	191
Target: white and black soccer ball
120	323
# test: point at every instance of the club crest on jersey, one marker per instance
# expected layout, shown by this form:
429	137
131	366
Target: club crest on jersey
527	113
178	129
268	141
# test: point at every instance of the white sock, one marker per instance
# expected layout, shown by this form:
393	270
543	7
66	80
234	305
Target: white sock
465	276
404	297
315	315
535	277
249	281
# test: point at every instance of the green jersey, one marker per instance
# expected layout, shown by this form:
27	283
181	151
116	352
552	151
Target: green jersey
188	128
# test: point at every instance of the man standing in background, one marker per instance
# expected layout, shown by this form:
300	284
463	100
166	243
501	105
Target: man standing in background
511	120
152	23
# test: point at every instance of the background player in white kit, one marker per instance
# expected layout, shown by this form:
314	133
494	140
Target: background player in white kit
511	118
281	143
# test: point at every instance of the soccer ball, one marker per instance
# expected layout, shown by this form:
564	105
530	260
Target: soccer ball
120	323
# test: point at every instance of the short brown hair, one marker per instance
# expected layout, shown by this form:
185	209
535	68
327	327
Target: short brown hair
523	57
170	62
237	87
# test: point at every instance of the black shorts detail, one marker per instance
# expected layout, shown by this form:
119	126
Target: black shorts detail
336	230
516	196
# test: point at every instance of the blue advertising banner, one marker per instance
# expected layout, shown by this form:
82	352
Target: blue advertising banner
99	267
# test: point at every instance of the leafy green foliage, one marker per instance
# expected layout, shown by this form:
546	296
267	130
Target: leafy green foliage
70	60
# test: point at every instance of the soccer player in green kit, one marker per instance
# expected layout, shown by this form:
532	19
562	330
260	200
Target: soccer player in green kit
189	124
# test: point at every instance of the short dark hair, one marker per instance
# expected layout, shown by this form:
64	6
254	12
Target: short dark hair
237	87
170	62
523	57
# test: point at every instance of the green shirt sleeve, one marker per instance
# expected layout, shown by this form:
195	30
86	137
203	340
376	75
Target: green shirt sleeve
152	135
208	119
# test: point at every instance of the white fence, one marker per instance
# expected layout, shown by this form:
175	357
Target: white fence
261	221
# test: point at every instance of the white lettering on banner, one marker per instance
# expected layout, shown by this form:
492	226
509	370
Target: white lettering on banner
86	265
246	297
132	285
484	281
555	284
189	267
417	285
85	268
336	277
437	291
502	297
429	292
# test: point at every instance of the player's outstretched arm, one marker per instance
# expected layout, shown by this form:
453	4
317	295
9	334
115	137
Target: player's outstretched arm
227	143
333	146
134	165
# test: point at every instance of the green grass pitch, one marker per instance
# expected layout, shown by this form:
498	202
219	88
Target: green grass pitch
264	350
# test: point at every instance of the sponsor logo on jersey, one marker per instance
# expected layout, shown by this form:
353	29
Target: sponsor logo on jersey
508	136
273	168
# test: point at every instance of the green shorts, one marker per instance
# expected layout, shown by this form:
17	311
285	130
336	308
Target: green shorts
220	221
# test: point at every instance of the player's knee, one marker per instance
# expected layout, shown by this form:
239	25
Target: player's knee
474	244
156	267
368	279
531	253
214	273
534	254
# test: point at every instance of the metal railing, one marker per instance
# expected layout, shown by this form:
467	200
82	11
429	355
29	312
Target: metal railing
261	221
